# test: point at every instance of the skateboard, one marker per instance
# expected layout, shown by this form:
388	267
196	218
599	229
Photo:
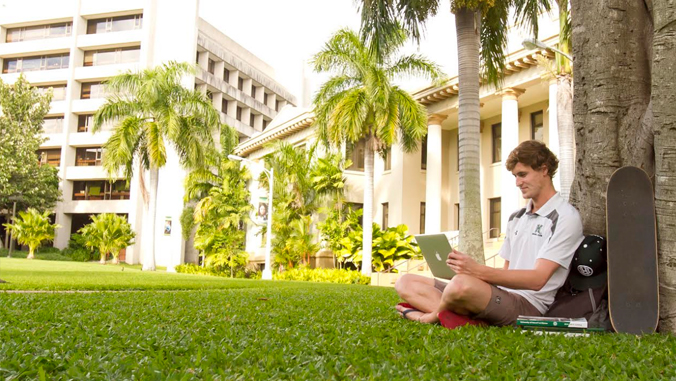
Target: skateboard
633	295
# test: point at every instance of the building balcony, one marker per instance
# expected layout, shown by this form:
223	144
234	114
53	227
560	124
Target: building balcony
53	140
87	139
110	40
57	108
35	47
95	8
96	206
85	173
86	106
39	76
89	73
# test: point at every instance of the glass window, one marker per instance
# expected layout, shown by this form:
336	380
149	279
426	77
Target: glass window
226	75
537	125
252	119
33	64
422	218
114	24
52	125
50	156
495	205
253	91
265	124
58	91
92	90
386	215
355	152
112	56
85	123
224	106
239	114
39	32
88	156
387	160
265	98
423	154
100	190
496	131
240	84
211	66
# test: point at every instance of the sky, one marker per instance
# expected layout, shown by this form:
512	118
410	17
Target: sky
285	34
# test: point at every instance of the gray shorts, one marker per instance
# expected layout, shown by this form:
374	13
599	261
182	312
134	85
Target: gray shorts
504	307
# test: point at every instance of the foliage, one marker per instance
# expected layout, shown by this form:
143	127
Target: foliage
337	225
23	112
187	222
289	330
78	251
243	272
324	275
389	246
304	182
43	253
109	233
32	228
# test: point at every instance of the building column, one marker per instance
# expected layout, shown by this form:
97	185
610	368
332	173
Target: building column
510	195
433	175
554	127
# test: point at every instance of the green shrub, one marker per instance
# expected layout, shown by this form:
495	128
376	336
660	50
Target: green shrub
324	275
191	268
77	250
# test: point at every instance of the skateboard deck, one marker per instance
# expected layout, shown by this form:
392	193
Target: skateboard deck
633	295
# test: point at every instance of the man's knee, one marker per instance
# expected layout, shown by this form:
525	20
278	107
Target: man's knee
458	289
403	283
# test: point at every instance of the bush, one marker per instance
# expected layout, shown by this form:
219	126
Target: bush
77	251
45	254
324	275
191	268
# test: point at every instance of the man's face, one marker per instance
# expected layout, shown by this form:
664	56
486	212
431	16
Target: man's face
529	180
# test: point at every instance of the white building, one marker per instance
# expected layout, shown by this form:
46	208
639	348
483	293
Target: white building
72	46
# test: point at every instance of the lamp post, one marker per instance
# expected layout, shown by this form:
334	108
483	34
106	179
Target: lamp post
267	271
11	239
532	44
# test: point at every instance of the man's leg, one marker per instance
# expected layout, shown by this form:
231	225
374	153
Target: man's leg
464	295
418	291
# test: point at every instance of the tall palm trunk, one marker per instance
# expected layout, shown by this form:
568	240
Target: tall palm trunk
468	27
368	209
149	224
564	112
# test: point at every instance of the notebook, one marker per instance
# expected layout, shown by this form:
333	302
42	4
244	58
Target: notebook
435	248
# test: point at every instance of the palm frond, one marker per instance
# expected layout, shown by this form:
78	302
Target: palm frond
494	42
526	13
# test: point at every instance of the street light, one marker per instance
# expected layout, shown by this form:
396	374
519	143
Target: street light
267	272
532	44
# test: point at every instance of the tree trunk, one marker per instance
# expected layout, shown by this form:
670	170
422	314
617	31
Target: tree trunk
468	27
116	259
31	253
663	101
564	116
368	209
150	217
103	257
612	46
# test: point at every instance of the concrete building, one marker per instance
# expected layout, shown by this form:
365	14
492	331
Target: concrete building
420	189
72	46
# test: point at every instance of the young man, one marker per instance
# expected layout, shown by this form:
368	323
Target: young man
538	248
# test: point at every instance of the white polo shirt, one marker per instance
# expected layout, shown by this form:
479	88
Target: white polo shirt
554	232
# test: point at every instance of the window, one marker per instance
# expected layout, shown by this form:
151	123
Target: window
112	56
100	190
114	24
211	66
53	125
92	90
276	105
496	130
423	154
39	32
35	63
87	157
537	126
224	106
355	152
226	75
386	215
387	160
252	119
239	113
50	156
58	91
240	84
265	124
495	217
253	91
265	98
210	95
457	216
422	218
85	123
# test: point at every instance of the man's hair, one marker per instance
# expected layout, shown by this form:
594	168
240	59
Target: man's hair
535	154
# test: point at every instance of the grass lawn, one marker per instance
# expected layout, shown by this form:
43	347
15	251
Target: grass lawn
206	327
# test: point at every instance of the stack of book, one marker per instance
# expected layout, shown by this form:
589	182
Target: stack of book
568	326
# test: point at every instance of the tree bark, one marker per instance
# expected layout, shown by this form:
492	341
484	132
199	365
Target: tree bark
368	208
564	117
611	42
149	224
664	118
468	27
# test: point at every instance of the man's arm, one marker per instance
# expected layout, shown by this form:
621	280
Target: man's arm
533	279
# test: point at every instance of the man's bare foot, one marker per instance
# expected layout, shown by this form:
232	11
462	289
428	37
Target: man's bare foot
419	316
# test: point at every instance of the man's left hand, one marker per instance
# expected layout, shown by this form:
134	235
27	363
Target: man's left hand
463	264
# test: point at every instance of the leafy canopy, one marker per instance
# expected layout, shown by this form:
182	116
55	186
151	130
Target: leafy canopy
109	233
32	228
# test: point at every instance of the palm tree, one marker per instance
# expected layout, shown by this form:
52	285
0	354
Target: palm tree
361	102
152	109
109	233
32	228
481	28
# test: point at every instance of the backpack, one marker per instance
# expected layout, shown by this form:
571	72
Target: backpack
591	304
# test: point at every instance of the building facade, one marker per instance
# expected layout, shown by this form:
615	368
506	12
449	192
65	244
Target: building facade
420	189
72	46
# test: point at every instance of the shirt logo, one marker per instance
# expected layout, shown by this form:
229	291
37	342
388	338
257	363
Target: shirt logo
538	231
